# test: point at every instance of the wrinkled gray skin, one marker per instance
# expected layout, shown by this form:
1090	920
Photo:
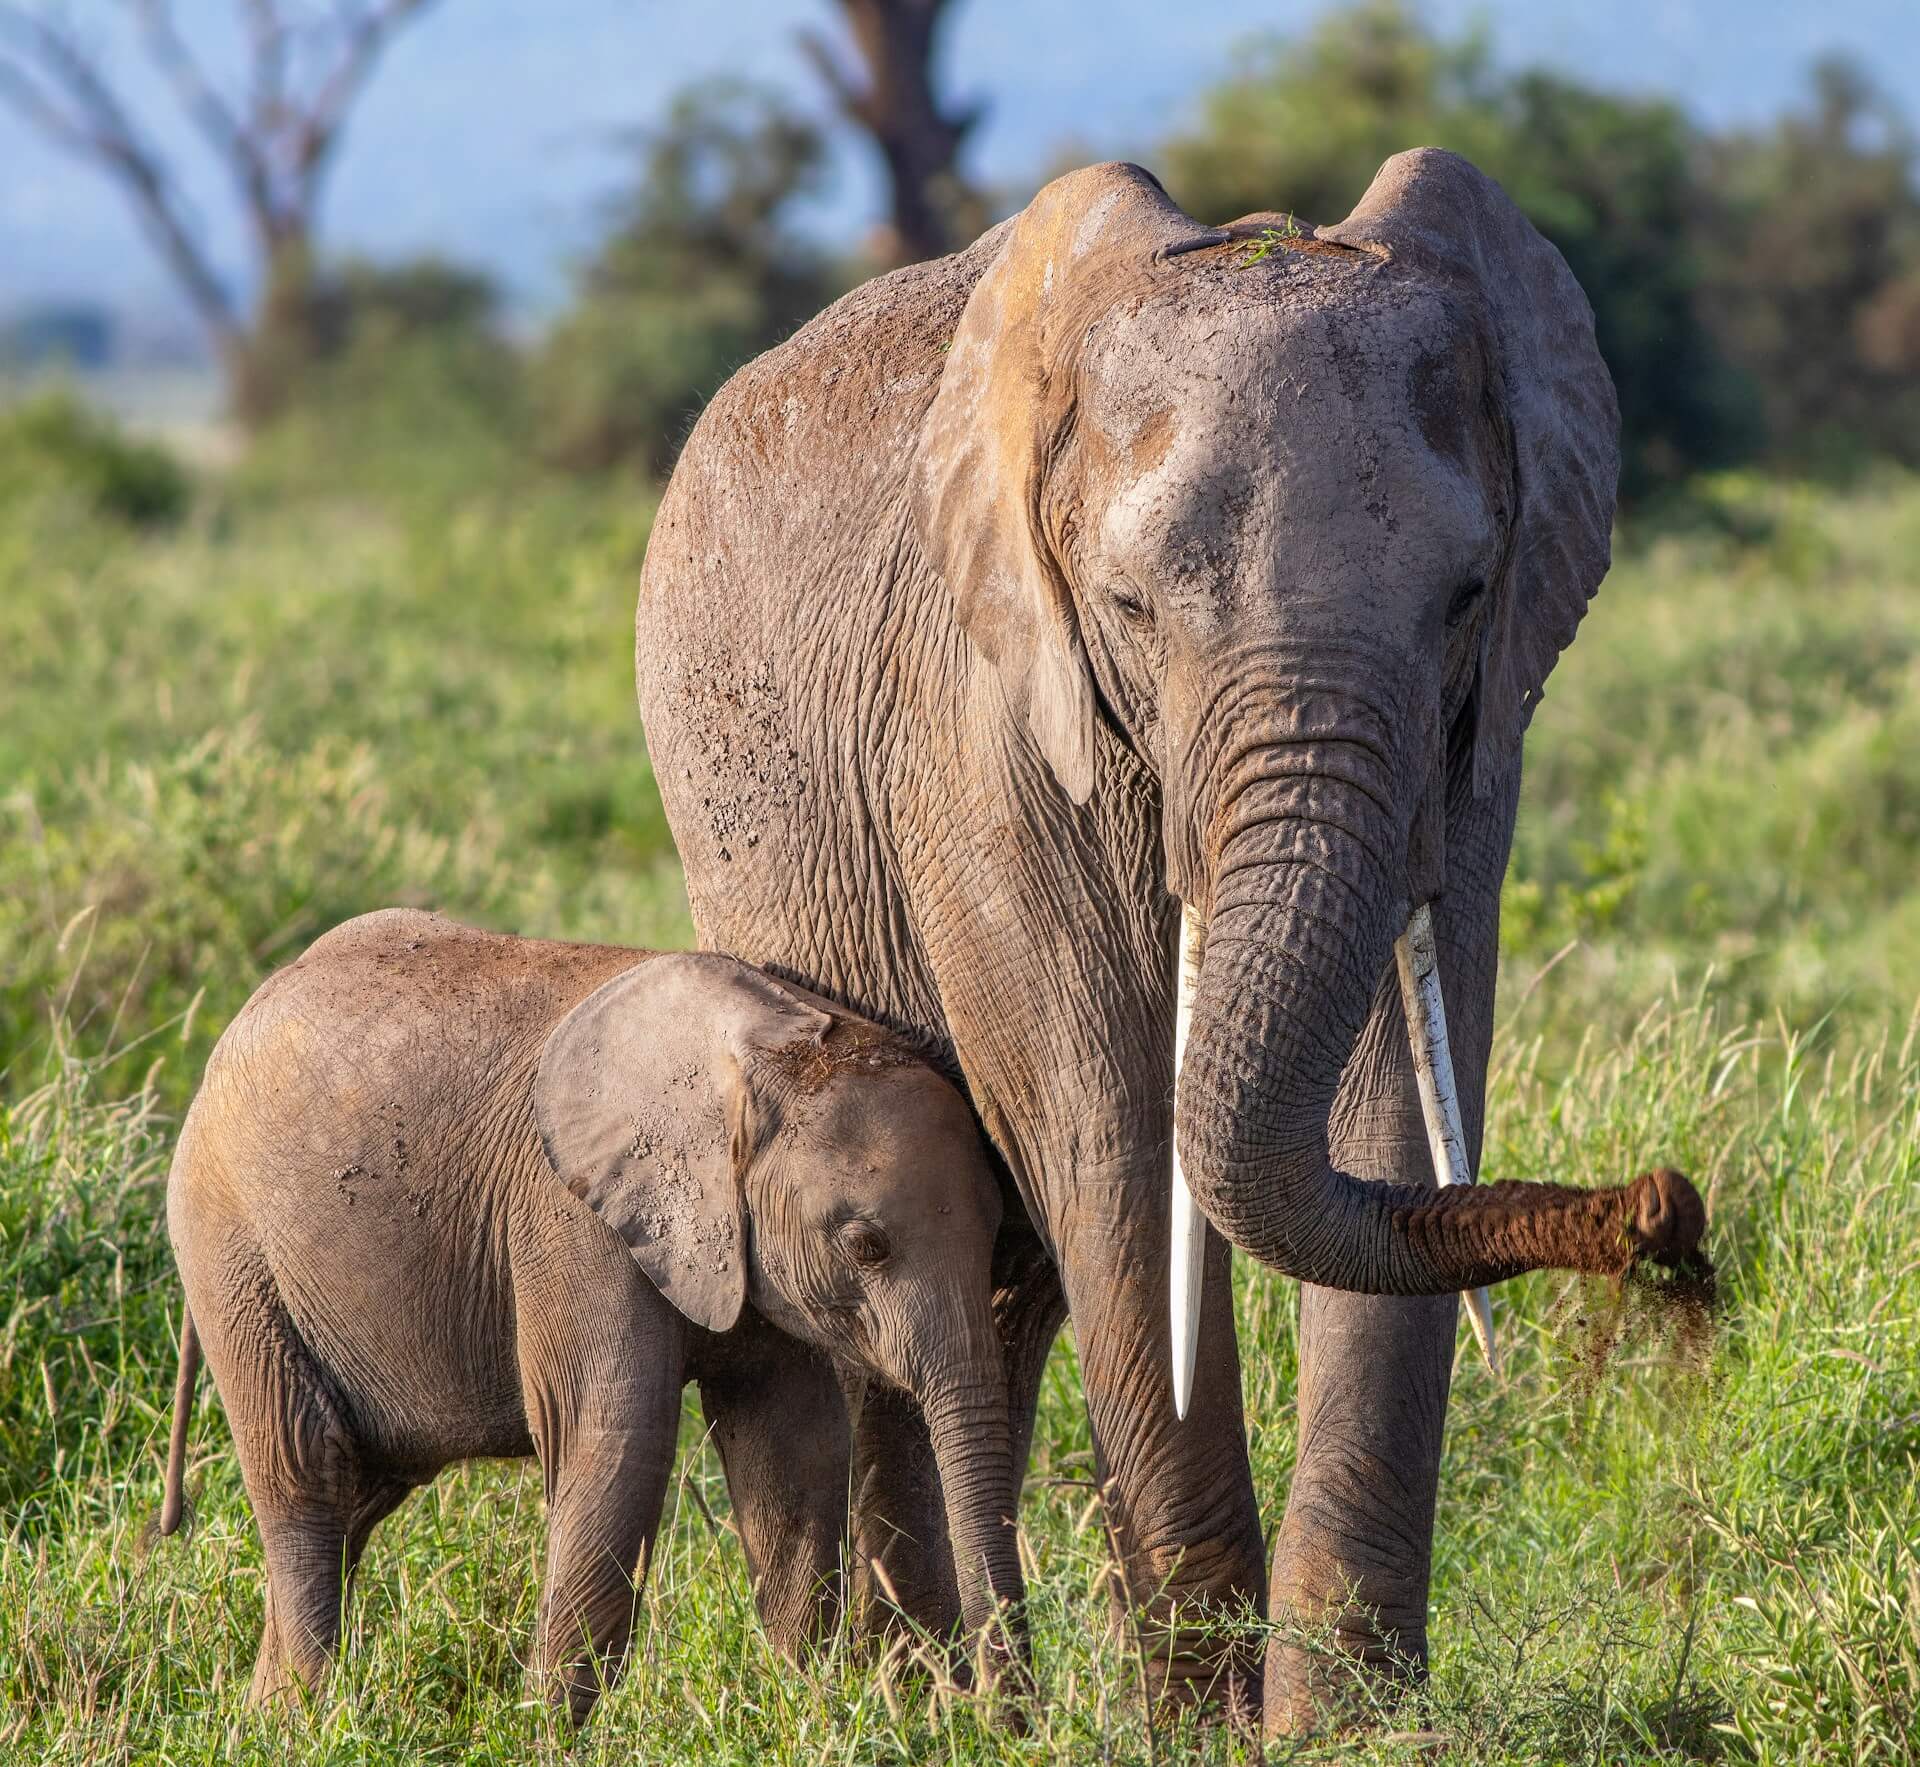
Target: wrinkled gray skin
399	1206
1026	592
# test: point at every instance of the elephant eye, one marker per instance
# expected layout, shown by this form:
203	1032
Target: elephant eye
865	1244
1463	599
1131	605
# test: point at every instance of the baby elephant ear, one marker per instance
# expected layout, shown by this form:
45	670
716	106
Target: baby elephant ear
644	1097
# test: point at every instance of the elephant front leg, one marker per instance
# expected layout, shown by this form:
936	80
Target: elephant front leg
1178	1496
1354	1554
775	1409
605	1489
1353	1559
903	1577
903	1563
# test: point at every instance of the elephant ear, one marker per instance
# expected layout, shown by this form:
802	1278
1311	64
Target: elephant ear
1443	216
1005	397
652	1100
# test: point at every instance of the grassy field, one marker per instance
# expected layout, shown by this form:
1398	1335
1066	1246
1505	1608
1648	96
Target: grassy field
318	693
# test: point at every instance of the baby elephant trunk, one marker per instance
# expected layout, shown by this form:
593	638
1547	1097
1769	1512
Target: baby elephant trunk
966	1410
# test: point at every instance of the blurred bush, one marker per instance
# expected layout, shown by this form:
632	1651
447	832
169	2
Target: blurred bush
699	270
411	384
54	447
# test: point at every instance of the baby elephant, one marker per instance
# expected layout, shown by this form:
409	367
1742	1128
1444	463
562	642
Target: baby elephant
445	1194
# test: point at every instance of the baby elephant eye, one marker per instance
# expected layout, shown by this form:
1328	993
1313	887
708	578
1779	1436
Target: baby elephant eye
864	1242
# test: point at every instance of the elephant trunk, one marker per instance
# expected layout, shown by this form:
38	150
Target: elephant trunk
967	1420
1308	894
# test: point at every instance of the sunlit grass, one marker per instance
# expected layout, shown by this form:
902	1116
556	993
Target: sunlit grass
1725	771
1699	1562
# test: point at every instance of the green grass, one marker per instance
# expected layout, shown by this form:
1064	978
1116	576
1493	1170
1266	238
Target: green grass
218	743
1725	773
296	704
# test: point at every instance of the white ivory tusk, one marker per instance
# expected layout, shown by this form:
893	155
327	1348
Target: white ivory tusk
1188	1267
1426	1014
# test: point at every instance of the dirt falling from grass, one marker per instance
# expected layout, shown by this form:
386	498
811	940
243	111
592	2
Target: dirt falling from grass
1647	1319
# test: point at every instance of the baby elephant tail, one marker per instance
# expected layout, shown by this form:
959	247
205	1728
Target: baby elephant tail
173	1505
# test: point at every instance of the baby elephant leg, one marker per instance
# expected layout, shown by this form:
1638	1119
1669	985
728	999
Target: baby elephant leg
605	1487
780	1424
313	1545
315	1500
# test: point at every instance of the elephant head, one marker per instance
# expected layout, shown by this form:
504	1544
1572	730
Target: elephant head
1303	519
749	1142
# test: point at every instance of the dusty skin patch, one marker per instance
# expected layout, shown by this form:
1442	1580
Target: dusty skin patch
848	1046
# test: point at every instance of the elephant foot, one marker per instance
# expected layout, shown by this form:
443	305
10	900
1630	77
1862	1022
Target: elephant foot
1216	1677
1342	1680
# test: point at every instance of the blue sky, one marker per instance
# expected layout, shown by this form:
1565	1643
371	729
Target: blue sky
490	135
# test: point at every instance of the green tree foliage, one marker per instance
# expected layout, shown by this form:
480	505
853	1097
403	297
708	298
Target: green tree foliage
699	271
1812	268
1611	181
1607	178
1306	122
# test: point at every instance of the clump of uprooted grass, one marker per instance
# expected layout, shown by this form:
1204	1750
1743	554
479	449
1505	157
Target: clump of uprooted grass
1662	1564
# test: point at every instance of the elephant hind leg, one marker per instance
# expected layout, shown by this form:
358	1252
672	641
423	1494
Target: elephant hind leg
313	1547
305	1580
305	1472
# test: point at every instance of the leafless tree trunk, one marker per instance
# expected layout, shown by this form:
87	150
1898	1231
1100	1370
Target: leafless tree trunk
897	41
276	140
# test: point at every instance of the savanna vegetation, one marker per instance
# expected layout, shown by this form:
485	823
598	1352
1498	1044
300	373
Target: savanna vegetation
385	658
284	700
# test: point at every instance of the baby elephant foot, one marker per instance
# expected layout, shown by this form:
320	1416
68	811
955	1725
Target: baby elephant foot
581	1651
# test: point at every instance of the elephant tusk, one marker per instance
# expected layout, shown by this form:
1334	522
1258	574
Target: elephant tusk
1426	1012
1188	1268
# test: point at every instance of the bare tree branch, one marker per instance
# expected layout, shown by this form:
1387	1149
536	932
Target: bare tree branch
855	105
89	120
898	107
268	36
275	137
211	115
366	40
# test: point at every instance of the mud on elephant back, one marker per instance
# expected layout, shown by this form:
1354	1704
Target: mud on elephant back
1118	570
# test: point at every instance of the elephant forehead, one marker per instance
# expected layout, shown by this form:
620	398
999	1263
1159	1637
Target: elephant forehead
1292	438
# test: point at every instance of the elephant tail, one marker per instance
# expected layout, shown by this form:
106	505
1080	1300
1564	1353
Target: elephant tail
173	1505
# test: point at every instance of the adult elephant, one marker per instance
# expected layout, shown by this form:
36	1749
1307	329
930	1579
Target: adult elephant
1111	563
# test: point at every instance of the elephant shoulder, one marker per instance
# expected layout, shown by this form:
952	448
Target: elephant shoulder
862	369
